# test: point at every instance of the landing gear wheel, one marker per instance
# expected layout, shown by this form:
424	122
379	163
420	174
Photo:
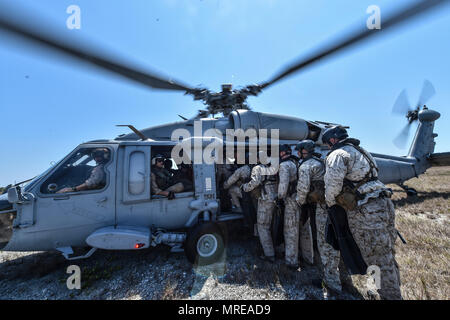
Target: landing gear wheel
204	244
410	192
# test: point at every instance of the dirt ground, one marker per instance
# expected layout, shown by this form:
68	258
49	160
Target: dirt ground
157	273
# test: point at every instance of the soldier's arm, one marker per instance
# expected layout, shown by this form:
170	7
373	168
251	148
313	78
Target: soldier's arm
245	173
155	188
255	180
284	181
335	172
303	185
373	161
232	179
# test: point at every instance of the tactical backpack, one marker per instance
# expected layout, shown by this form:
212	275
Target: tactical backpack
316	192
349	196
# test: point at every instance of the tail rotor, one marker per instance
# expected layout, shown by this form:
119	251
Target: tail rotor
402	106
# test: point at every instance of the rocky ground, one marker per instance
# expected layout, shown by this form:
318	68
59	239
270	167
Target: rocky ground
159	274
156	274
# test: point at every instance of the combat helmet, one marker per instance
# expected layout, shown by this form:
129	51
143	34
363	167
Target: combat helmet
102	153
158	156
336	132
286	148
308	145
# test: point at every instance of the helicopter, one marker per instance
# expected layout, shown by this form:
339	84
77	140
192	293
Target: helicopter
122	213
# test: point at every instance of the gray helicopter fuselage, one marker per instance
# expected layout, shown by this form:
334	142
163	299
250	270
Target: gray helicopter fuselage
46	221
124	211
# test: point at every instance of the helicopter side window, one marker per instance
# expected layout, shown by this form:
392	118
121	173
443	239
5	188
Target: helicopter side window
83	171
136	179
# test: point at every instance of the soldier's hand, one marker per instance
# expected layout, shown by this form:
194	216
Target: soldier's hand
65	190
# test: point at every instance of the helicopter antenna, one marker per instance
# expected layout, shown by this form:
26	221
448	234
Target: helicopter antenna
136	131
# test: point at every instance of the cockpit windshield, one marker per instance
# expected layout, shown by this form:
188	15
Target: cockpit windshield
84	170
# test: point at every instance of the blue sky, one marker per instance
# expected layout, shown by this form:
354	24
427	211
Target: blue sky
48	106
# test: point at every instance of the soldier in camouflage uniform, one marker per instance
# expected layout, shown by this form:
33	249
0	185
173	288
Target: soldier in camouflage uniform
226	168
371	218
264	177
233	184
97	178
161	179
310	174
286	195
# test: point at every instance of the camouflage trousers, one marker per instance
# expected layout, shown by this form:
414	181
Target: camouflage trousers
178	187
392	232
333	268
235	193
291	230
372	226
264	220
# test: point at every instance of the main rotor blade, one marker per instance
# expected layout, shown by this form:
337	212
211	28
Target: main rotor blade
402	105
74	50
356	36
427	92
402	138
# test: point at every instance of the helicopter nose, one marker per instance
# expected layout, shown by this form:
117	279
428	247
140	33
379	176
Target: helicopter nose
4	204
6	221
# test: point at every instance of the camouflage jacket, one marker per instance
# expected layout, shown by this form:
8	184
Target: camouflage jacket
287	175
265	177
310	170
347	162
238	176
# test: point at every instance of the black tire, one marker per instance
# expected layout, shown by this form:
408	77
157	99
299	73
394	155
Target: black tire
411	192
204	244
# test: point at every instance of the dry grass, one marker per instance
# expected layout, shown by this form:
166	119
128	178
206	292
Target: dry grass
424	221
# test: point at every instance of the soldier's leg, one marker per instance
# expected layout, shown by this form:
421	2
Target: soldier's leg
291	231
330	257
179	187
369	226
344	276
235	194
264	218
392	231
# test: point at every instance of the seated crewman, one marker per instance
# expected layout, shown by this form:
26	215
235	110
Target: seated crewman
162	182
97	178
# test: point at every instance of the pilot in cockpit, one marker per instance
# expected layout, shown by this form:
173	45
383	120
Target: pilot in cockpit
97	178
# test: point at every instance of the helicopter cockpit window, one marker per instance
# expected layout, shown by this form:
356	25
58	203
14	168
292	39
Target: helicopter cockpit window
85	170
